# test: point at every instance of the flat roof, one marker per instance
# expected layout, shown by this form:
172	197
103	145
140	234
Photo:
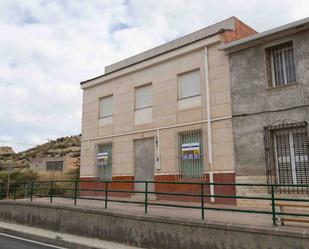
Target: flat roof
261	36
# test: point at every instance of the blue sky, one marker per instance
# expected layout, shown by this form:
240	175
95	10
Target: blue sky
48	47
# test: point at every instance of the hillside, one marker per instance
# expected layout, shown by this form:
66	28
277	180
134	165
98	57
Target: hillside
55	148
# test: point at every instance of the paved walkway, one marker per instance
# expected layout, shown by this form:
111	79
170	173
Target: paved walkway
253	219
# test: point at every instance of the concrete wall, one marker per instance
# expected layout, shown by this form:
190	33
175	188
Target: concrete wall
152	232
255	105
165	112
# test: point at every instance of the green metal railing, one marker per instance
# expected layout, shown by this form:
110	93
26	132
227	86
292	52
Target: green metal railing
78	189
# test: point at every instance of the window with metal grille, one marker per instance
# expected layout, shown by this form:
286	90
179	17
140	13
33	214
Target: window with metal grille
104	161
287	155
54	166
281	66
190	154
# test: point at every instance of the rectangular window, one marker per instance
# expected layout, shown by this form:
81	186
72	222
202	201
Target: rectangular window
106	106
143	96
190	154
281	66
189	84
54	166
104	161
289	149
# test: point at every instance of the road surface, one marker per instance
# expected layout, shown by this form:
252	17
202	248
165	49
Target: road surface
12	242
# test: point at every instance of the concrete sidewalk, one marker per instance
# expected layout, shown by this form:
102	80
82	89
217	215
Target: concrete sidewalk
226	217
58	239
162	227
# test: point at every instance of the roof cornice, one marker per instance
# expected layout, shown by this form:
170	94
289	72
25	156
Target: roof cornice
195	37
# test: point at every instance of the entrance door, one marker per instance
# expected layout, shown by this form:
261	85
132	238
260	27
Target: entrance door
144	163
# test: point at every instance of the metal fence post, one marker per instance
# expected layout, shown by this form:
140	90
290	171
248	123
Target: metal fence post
31	193
14	191
8	190
51	191
146	197
26	190
273	206
75	192
202	201
106	193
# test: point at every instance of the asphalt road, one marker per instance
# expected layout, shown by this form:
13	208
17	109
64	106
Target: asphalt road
12	242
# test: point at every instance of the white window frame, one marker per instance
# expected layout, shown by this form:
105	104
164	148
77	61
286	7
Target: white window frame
136	99
292	157
271	54
112	112
179	84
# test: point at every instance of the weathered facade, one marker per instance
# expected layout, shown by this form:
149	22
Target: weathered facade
6	150
62	164
164	114
269	76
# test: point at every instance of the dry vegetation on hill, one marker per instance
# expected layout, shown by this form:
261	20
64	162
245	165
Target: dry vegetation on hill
56	148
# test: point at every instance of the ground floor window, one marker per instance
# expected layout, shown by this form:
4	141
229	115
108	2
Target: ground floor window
104	161
287	155
190	154
54	166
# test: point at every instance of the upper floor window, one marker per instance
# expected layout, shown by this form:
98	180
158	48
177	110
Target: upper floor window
106	106
143	96
281	66
189	84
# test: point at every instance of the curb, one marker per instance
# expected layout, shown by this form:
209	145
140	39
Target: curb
47	240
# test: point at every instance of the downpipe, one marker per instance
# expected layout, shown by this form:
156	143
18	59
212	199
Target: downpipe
209	132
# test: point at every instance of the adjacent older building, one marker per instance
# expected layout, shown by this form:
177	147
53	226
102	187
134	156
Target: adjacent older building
269	76
164	114
6	150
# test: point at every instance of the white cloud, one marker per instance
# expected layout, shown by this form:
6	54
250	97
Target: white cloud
48	46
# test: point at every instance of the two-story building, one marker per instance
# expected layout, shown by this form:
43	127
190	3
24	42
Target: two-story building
269	77
164	114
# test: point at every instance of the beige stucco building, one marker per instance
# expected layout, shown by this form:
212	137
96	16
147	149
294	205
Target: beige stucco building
164	114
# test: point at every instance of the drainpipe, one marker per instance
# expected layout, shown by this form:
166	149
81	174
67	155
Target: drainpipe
157	162
211	172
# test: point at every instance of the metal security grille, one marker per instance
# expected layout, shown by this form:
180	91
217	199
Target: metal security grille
54	166
190	154
281	64
287	155
104	167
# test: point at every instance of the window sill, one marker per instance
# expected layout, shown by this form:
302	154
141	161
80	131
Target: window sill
189	103
182	98
142	108
104	121
290	85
